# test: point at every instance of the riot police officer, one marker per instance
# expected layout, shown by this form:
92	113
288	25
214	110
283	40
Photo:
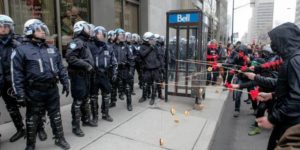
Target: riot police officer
7	44
111	36
129	42
104	60
36	69
80	67
125	69
150	57
161	52
136	49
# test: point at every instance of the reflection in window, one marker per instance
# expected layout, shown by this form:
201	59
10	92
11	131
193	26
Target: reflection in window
71	12
22	10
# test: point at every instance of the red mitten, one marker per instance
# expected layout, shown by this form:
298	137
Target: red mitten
215	66
244	68
254	94
229	86
232	72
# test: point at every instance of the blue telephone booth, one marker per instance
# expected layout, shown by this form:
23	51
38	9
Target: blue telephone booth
185	71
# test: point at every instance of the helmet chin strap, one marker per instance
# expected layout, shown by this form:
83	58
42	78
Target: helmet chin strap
40	40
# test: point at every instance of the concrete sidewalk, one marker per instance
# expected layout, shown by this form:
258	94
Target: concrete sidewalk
140	129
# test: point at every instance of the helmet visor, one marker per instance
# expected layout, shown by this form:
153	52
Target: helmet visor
41	27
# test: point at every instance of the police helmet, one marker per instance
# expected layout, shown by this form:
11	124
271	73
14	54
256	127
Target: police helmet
148	36
111	34
81	26
156	37
7	21
128	36
33	25
99	29
135	37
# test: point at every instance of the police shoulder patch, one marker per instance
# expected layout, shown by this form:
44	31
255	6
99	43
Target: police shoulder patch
50	50
106	53
73	45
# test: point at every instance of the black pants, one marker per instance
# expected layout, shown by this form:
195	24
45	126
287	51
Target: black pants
277	132
151	77
122	84
80	90
38	101
237	95
101	82
12	106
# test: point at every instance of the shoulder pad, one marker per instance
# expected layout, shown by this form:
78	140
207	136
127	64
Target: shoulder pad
75	44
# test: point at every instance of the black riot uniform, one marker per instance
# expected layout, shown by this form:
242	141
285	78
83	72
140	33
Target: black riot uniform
7	45
125	73
137	60
161	54
105	64
80	67
133	52
36	70
151	72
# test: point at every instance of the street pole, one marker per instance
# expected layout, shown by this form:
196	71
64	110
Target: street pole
232	21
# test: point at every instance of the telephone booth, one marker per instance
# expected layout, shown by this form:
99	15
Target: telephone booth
185	54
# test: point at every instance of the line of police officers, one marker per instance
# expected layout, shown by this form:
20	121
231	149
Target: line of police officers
30	70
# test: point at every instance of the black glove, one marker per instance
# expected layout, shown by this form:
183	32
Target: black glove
114	78
91	69
66	90
130	74
21	101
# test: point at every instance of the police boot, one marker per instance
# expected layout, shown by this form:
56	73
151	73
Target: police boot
94	108
61	142
121	96
76	115
86	115
113	98
105	108
31	127
153	94
30	147
144	94
132	87
128	98
57	128
148	90
41	130
159	91
17	120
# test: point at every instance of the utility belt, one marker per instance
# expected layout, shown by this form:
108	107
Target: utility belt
48	84
123	66
78	72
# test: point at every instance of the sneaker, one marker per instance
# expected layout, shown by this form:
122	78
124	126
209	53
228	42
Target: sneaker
254	131
236	114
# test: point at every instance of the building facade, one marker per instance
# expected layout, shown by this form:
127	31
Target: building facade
136	16
262	21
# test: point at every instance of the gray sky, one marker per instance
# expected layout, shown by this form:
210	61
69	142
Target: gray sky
284	11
